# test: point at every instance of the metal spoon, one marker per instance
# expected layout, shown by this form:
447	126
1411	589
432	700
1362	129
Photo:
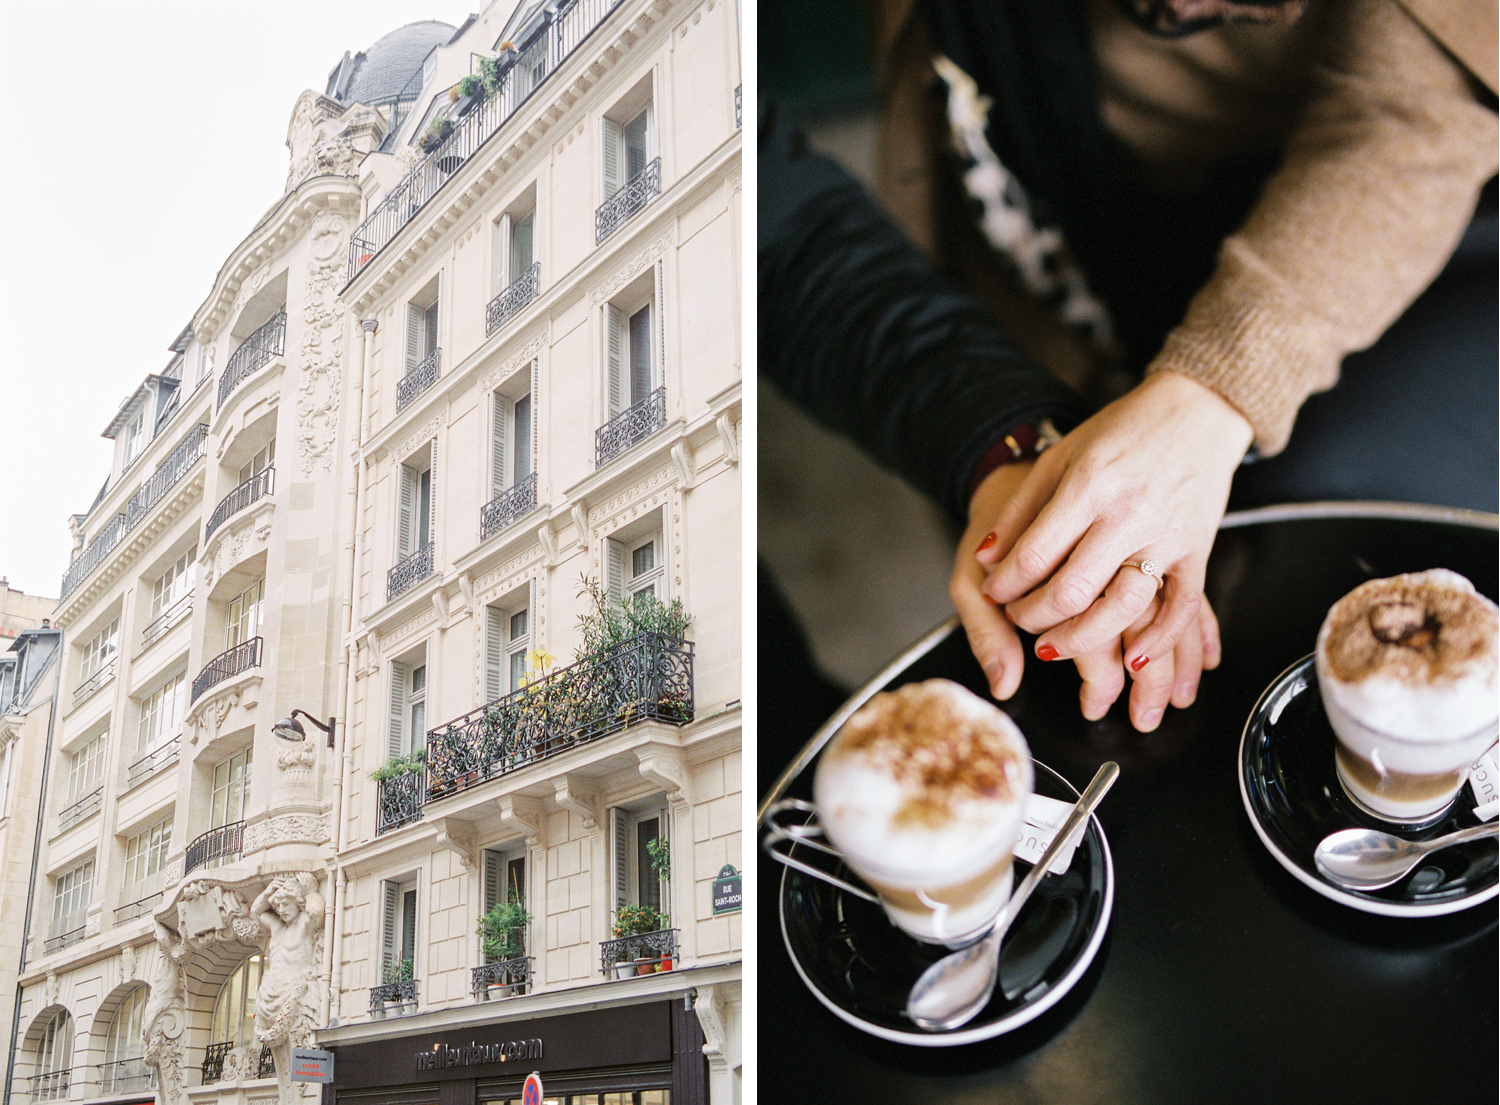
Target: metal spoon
1368	859
953	990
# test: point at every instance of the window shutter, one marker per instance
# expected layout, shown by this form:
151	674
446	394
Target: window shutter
621	826
498	479
613	148
405	509
409	925
429	330
640	355
494	653
392	894
532	392
659	333
522	253
396	739
614	351
504	269
413	336
493	865
614	570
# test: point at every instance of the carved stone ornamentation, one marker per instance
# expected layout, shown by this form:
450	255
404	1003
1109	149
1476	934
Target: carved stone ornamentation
165	1018
322	345
290	994
290	829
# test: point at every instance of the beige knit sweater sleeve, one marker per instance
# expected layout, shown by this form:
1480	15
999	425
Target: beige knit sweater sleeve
1378	182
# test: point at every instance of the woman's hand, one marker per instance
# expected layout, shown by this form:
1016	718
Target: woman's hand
1147	478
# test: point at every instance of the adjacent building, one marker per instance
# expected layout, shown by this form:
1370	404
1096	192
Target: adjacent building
411	606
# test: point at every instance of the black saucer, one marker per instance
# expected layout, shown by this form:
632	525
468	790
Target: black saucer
862	968
1291	790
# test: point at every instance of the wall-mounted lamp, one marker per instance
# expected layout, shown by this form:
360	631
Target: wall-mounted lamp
290	729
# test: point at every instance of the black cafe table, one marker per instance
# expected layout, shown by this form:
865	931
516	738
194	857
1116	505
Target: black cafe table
1221	978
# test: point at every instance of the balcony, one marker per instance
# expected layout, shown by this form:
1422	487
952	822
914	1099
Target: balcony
523	289
86	806
399	801
178	463
253	354
52	1086
630	427
167	619
508	977
229	663
256	487
642	954
536	59
159	758
507	508
215	1056
214	847
126	1076
628	201
68	930
393	997
86	689
408	572
647	678
144	896
418	380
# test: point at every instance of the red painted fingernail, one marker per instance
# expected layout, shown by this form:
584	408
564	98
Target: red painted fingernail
1139	662
989	539
1047	652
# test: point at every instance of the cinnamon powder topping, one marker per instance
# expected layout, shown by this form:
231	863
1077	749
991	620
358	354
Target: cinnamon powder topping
1412	628
941	753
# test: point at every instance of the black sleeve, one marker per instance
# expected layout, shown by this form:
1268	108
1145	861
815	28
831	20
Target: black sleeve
857	328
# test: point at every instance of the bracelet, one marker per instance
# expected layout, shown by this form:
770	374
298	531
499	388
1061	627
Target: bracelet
1023	441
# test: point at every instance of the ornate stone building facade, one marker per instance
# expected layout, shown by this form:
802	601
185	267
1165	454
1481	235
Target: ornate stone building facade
473	376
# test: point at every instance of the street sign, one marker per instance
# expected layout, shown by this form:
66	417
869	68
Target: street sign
728	895
311	1065
531	1093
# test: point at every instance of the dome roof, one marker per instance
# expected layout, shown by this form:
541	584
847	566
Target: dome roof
378	74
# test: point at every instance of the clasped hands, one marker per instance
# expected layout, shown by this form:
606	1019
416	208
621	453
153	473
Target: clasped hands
1145	478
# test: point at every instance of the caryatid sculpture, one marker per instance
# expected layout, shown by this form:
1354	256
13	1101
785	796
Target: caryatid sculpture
286	1005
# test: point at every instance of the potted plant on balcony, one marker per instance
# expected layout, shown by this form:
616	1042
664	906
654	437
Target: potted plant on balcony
436	134
400	971
636	920
502	932
411	763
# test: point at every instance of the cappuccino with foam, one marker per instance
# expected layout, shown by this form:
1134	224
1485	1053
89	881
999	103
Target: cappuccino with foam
923	791
1407	668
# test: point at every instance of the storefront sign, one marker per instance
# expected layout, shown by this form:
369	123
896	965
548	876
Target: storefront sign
477	1054
311	1065
728	897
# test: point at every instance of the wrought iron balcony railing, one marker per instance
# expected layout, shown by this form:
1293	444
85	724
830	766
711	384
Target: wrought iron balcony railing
408	572
649	677
218	844
160	757
253	354
52	1086
105	673
86	806
399	800
523	289
126	1076
397	997
167	619
182	458
69	930
537	58
214	1056
419	379
507	508
230	662
630	427
643	953
509	976
628	201
256	487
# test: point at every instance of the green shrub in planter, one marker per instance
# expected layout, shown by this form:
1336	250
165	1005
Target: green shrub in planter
410	764
502	930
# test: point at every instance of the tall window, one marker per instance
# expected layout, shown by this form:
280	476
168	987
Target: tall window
161	715
635	566
234	1009
635	878
421	328
631	356
100	650
243	622
145	856
71	894
511	451
507	640
231	791
414	510
504	881
171	587
135	438
125	1070
628	147
54	1059
408	721
519	246
264	458
86	768
398	930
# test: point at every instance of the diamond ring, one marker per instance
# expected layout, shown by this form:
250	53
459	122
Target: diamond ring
1150	567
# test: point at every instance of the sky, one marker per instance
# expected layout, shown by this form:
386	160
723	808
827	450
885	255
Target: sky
147	140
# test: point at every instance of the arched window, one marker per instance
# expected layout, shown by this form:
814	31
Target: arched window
124	1069
54	1059
233	1024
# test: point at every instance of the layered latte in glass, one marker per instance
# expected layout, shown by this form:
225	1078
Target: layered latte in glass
924	790
1408	673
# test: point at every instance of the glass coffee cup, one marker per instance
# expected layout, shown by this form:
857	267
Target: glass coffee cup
923	792
1407	672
